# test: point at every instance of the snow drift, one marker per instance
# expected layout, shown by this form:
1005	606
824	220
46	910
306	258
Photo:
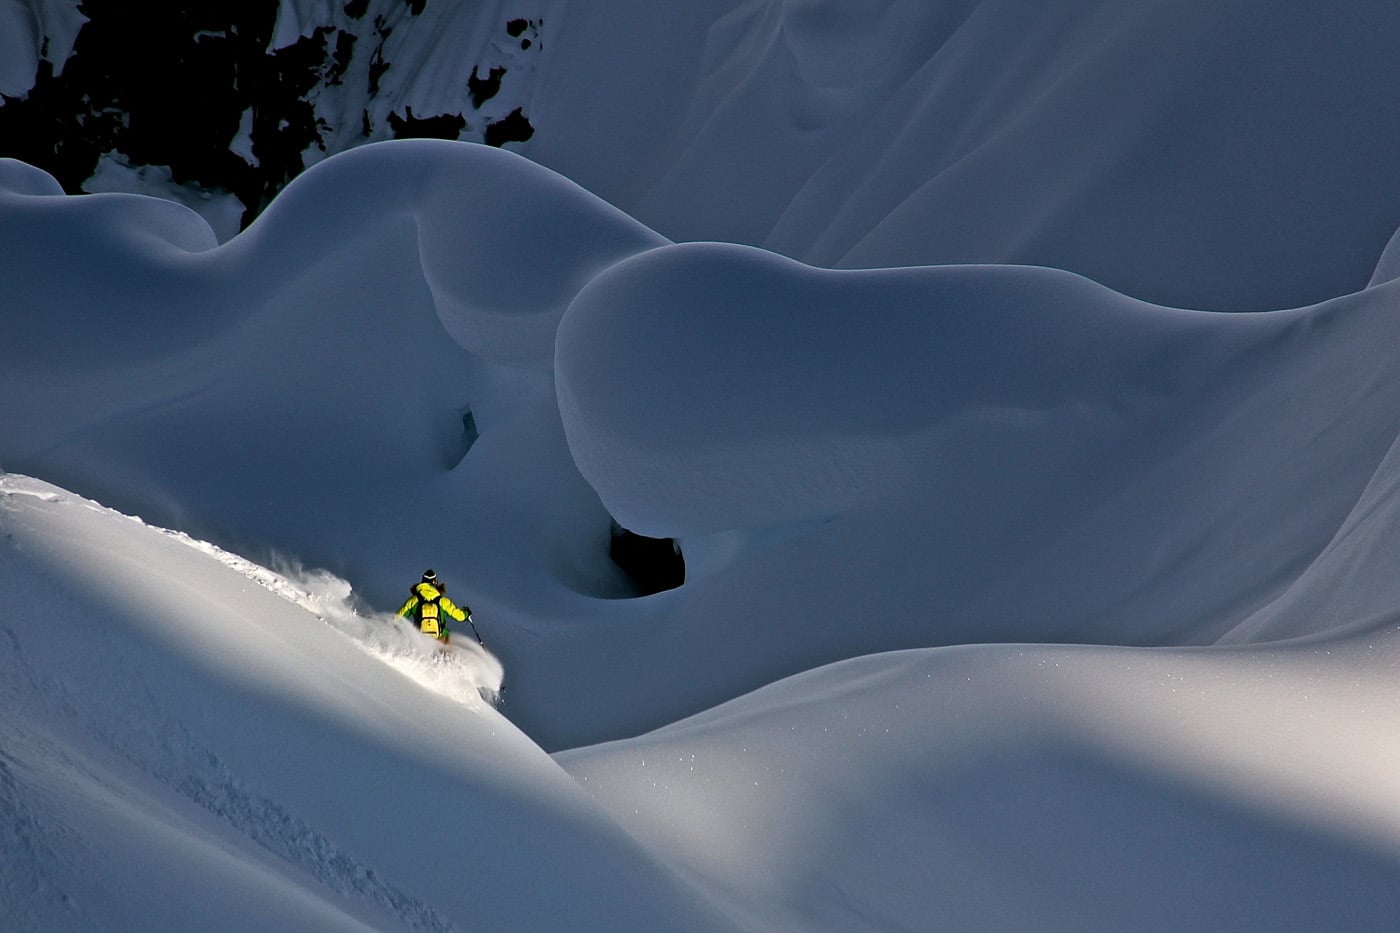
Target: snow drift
1014	596
185	747
1015	454
1229	156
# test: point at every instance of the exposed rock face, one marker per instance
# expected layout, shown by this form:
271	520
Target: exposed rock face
237	97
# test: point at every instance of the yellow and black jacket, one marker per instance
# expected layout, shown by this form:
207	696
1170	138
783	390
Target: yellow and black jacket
429	606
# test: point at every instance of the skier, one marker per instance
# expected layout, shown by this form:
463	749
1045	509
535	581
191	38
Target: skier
429	606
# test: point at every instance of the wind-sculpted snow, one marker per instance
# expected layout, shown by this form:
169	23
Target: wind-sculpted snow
316	346
1034	787
853	461
439	354
995	454
1227	155
498	238
809	392
1218	155
193	748
502	244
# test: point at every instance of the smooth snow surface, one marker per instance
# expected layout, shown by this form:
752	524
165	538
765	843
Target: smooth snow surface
1231	155
186	747
1016	596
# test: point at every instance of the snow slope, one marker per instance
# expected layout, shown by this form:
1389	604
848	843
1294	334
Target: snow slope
185	748
1009	453
1230	155
992	454
1016	788
1014	599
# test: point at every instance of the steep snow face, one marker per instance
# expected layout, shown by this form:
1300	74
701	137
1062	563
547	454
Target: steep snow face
205	743
1224	155
446	355
185	747
440	353
255	350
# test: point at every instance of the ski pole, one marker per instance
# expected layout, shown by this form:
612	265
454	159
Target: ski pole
474	631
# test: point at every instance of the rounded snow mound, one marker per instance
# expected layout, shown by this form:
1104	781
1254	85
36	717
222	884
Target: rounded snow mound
711	387
503	243
18	177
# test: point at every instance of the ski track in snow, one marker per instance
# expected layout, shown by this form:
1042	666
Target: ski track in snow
33	842
157	744
201	777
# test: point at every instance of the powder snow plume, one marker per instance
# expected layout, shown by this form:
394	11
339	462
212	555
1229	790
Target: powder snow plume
468	673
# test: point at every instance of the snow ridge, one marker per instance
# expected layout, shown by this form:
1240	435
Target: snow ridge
468	674
1021	587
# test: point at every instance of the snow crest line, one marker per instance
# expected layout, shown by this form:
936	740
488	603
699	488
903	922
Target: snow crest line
467	674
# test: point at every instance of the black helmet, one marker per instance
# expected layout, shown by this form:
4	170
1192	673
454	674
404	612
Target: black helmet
430	576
